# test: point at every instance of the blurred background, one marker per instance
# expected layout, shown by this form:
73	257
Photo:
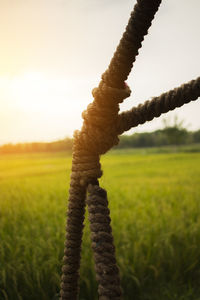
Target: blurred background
53	53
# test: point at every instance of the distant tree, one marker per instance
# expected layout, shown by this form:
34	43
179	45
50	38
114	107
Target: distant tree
196	136
175	133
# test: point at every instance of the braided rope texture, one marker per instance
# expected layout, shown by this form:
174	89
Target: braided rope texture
130	43
88	145
107	272
71	259
158	105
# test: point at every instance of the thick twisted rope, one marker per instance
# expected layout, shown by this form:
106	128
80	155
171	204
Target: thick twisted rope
98	134
107	272
131	41
89	143
158	105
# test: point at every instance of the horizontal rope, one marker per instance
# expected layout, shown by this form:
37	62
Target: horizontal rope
158	105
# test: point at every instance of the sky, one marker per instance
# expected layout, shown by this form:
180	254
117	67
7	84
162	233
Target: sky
53	53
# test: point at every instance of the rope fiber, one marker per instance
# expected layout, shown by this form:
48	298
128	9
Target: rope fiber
101	126
107	272
158	105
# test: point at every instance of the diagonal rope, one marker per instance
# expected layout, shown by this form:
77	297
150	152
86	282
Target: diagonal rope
130	43
158	105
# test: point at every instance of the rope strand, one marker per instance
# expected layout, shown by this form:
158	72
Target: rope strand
71	259
130	43
107	272
158	105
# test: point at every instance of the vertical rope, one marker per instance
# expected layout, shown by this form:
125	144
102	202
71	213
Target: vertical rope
85	166
107	272
74	229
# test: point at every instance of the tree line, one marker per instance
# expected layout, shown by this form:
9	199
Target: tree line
169	135
61	145
164	137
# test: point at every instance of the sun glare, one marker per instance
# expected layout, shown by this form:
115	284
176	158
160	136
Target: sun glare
35	105
32	91
36	92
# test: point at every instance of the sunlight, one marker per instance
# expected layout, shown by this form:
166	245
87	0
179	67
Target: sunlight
35	105
32	91
37	92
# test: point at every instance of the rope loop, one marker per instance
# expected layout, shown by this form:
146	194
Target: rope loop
98	133
111	95
86	167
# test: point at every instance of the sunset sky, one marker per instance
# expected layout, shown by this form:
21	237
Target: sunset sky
53	53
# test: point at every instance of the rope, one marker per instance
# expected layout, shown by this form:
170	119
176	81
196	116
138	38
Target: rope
107	272
158	105
71	259
101	126
97	136
130	43
89	143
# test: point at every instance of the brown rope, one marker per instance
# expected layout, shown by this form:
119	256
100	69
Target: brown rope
89	143
107	272
158	105
71	259
98	134
130	43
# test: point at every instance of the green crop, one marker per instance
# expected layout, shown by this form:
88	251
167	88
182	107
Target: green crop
154	201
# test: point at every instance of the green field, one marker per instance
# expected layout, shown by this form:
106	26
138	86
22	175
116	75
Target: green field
155	207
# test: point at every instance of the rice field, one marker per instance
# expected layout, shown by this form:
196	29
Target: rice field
155	207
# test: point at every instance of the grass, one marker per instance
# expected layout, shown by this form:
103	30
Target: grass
155	207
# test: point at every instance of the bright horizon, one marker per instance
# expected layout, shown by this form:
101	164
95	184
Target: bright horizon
54	52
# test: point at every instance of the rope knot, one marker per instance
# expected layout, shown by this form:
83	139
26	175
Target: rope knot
99	132
111	95
86	167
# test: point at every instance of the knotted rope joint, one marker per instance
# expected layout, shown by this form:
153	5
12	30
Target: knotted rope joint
98	133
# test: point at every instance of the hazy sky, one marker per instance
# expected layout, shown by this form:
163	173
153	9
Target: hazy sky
53	53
